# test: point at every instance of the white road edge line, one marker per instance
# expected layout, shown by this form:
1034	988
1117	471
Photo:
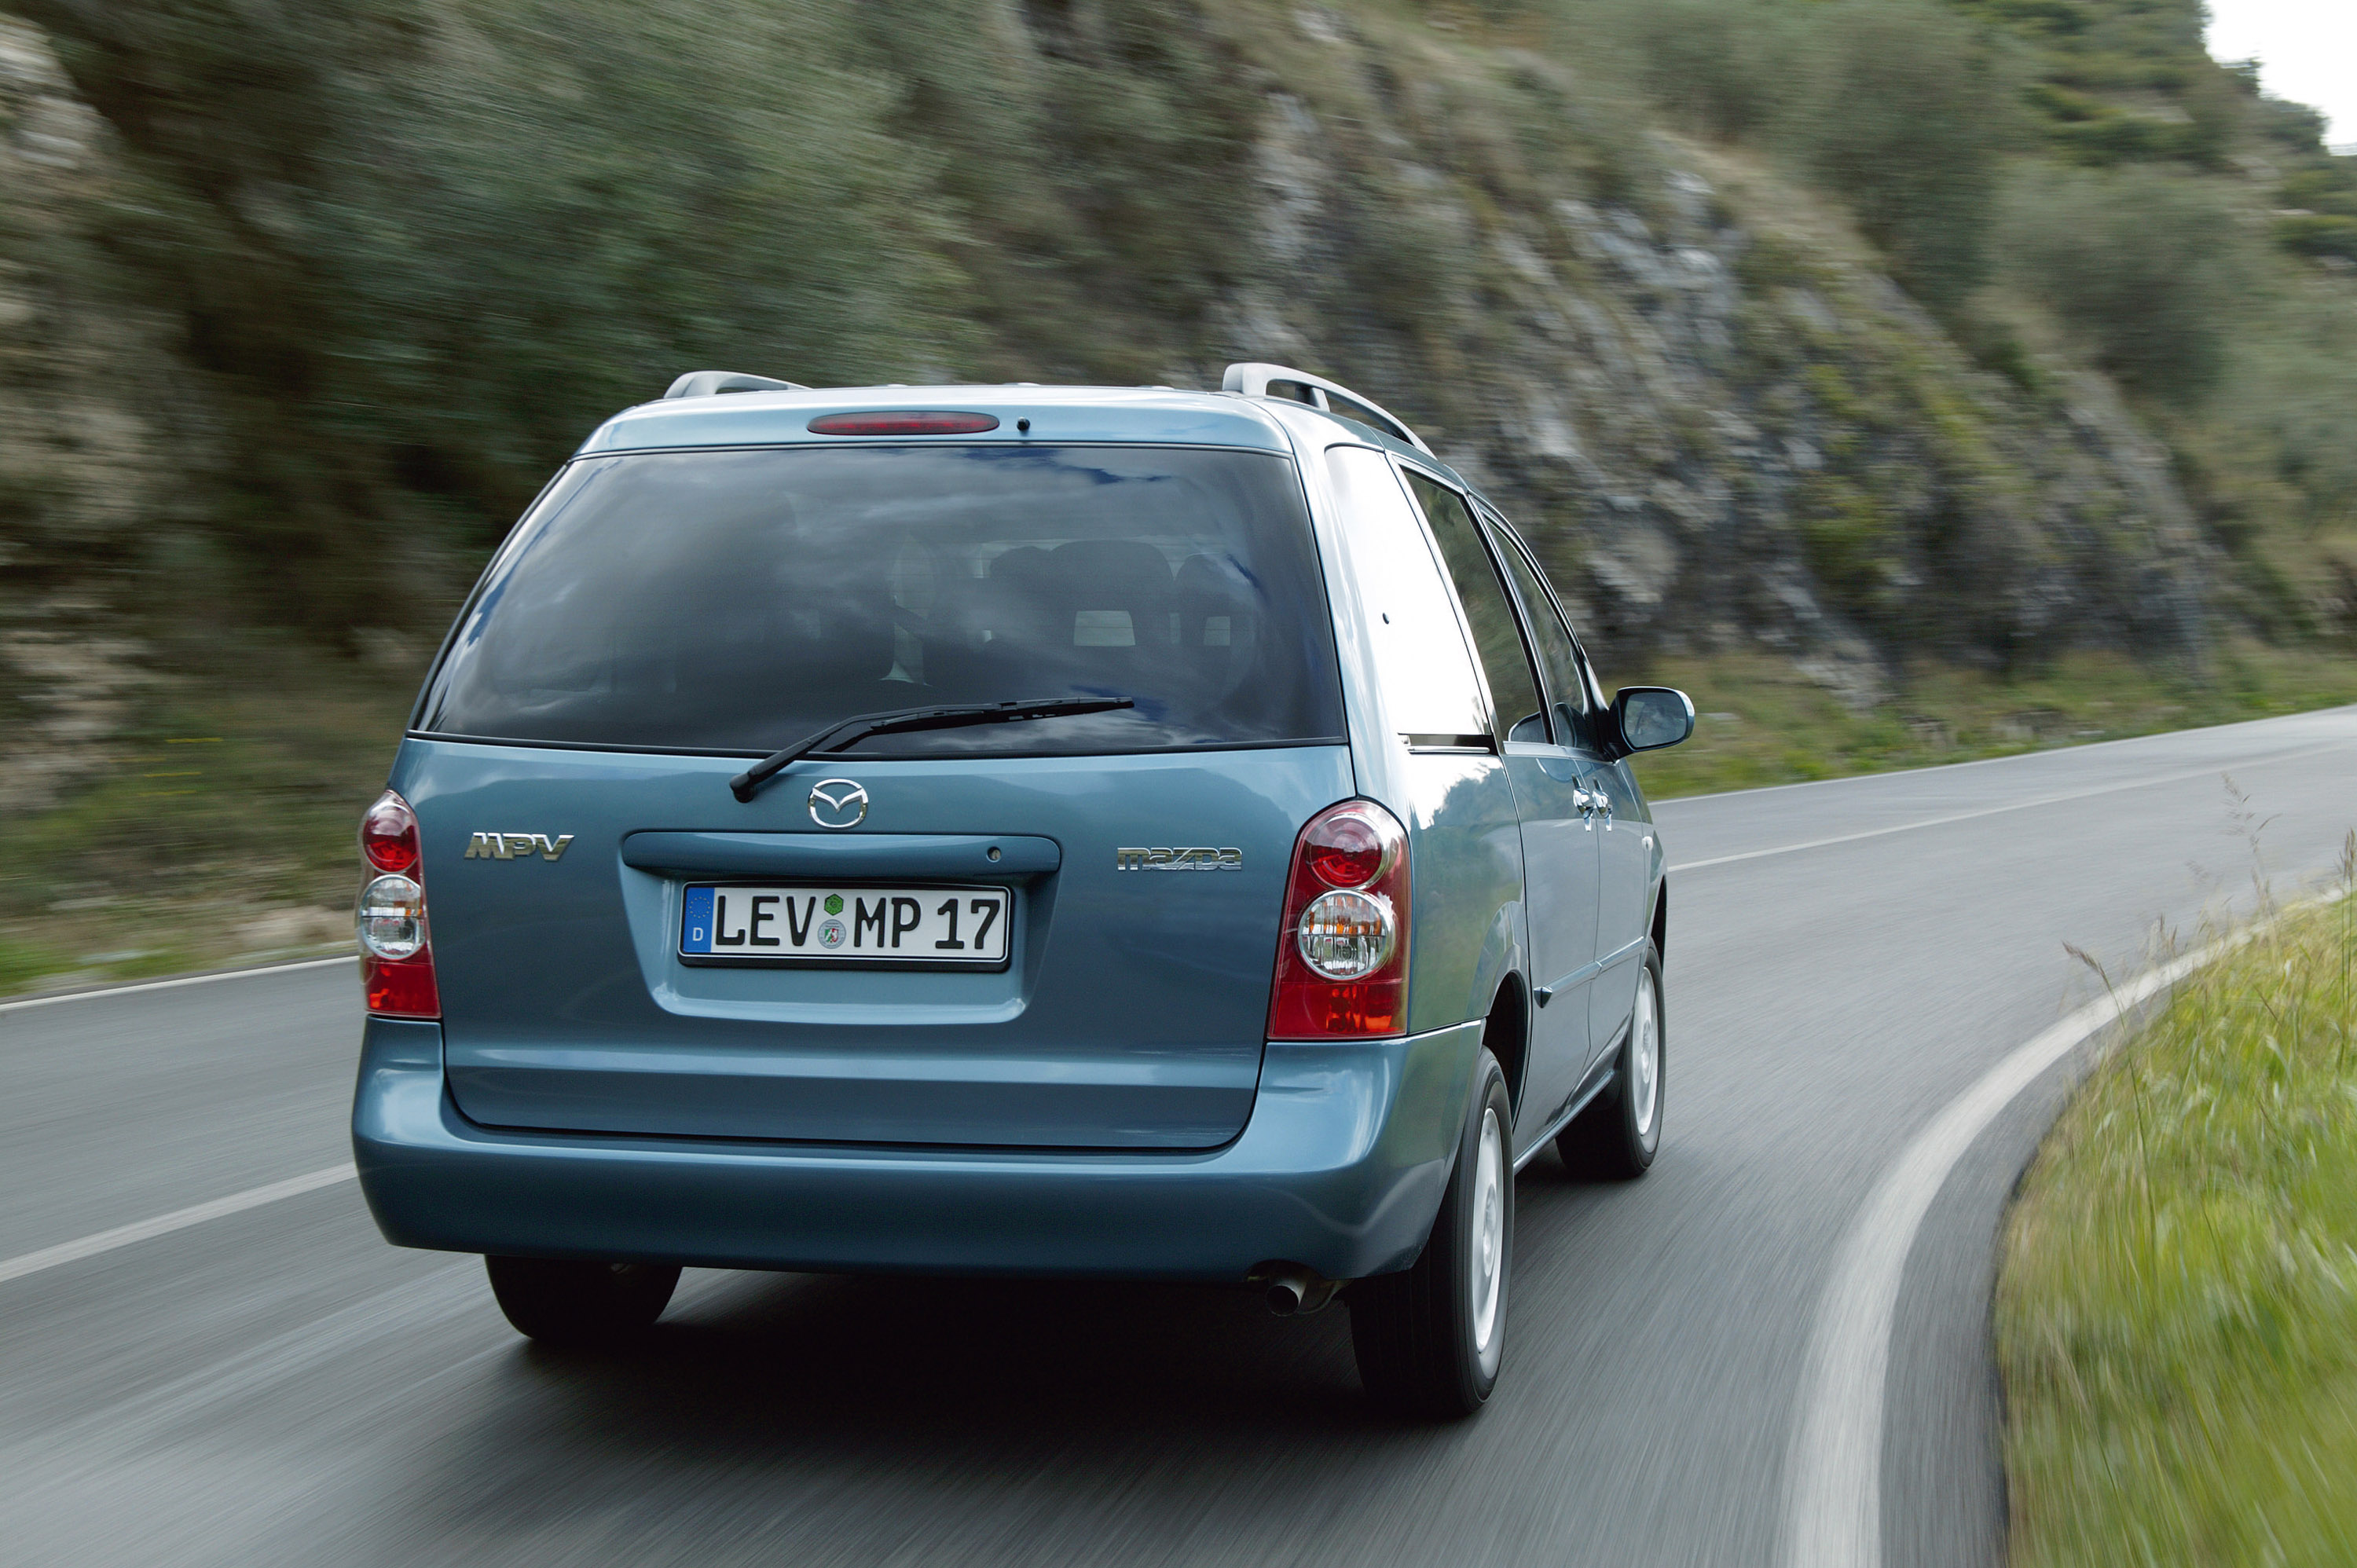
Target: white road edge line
184	980
164	1224
1833	1503
2012	806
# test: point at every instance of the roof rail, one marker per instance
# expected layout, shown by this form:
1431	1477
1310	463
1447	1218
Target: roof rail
1254	380
704	383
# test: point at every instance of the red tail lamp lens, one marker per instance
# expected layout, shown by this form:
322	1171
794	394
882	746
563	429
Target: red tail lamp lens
389	834
404	989
910	422
1345	851
396	955
1341	954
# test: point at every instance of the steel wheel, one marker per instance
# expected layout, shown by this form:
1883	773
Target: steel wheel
1617	1137
1429	1339
1486	1258
1645	1059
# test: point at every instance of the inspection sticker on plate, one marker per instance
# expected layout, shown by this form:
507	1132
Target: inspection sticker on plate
902	924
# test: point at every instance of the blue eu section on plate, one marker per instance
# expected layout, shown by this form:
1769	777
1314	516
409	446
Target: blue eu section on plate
695	931
784	924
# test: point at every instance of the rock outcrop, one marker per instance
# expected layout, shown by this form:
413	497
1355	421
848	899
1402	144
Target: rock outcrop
1720	424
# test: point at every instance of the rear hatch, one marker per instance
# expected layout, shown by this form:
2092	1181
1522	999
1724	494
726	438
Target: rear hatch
985	936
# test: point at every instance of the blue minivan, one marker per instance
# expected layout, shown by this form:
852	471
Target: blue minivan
1012	830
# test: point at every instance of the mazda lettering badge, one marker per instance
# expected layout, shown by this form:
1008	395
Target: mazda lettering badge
837	803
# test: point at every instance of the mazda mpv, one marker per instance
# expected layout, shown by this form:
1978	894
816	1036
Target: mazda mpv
1024	831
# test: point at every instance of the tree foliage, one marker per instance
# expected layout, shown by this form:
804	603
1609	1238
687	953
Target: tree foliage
2147	265
423	246
1902	107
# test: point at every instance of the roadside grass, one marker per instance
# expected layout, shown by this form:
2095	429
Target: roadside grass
219	829
1759	721
2177	1309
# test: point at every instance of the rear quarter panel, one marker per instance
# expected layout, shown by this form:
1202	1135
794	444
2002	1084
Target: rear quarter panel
1464	836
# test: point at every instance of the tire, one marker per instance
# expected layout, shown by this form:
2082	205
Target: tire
582	1305
1429	1340
1617	1137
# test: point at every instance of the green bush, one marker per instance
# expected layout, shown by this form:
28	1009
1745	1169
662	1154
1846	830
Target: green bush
1905	110
422	248
1722	68
2146	266
1901	107
2318	234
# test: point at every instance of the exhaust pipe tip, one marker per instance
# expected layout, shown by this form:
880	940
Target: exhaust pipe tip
1289	1289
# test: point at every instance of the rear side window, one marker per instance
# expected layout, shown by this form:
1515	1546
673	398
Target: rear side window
739	601
1428	679
1496	637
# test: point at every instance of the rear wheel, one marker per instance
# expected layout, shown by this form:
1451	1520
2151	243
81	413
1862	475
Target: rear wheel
1617	1137
576	1303
1429	1339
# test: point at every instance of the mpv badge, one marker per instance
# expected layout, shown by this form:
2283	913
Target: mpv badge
515	846
837	803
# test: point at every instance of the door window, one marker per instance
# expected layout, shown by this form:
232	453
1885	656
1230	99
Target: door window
1558	656
1496	636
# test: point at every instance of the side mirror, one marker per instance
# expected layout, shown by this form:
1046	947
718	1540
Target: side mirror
1650	718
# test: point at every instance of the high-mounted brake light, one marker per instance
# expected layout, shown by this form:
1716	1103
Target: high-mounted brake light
1342	956
921	422
397	954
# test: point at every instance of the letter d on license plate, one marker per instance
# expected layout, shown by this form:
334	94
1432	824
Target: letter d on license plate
934	927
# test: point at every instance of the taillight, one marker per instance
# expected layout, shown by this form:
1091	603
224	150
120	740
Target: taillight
1342	956
389	834
396	953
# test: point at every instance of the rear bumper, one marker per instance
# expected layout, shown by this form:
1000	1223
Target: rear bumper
1341	1169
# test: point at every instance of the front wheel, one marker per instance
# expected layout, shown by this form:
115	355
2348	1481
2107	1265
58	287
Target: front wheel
1429	1339
1619	1133
580	1304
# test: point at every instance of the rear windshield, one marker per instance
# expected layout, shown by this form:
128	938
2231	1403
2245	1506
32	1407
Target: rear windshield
738	601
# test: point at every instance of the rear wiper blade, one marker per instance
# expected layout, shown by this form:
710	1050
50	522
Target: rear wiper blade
942	715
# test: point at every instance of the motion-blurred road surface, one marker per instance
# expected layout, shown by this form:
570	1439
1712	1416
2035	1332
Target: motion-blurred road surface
277	1386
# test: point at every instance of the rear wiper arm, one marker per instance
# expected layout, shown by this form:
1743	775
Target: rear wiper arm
943	716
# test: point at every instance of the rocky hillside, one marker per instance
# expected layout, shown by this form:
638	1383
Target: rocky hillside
1725	426
299	303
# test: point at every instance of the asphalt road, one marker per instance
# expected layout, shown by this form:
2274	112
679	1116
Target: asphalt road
277	1386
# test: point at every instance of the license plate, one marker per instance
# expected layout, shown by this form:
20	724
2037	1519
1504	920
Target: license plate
809	923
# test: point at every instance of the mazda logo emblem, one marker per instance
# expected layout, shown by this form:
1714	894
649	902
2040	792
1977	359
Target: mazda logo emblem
837	803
